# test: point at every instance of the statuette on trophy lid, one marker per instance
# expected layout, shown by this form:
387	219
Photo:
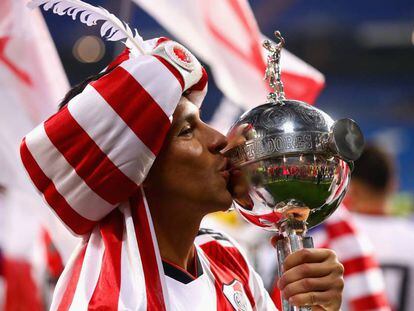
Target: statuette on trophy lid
295	161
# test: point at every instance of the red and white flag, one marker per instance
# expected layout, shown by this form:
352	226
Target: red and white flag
224	34
32	81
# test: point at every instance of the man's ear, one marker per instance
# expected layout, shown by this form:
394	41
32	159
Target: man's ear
353	193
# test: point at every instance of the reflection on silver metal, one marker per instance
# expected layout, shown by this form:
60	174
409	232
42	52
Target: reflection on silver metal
292	163
346	139
295	162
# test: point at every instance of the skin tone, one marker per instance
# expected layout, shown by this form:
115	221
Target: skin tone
361	198
190	179
190	169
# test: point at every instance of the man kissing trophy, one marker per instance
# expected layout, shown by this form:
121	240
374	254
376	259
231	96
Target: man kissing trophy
295	163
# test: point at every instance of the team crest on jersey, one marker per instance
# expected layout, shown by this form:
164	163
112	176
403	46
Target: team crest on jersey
235	294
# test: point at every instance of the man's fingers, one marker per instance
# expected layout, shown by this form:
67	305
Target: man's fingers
307	285
307	255
310	270
313	277
322	299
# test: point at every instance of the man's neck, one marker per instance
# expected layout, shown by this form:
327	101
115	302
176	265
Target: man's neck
176	231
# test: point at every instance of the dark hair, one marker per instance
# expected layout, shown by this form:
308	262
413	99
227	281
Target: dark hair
77	89
375	168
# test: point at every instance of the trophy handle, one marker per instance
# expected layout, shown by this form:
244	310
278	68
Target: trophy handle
289	244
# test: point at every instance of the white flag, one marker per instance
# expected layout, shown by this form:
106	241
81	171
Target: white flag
224	34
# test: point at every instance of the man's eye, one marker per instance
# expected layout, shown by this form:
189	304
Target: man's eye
186	131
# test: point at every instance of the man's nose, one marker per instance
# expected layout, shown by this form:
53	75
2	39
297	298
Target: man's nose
216	141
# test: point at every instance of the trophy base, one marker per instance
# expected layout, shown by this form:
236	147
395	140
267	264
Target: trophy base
289	244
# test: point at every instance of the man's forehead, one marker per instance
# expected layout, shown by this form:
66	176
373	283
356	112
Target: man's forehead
185	110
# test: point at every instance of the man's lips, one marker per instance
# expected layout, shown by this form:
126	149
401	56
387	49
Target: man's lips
224	169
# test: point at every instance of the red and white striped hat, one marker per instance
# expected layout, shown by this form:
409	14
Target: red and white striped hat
89	160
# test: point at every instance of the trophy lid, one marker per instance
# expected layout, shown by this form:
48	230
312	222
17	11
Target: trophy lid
282	127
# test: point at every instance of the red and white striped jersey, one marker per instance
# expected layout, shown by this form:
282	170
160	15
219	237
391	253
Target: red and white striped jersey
393	241
364	282
223	280
226	281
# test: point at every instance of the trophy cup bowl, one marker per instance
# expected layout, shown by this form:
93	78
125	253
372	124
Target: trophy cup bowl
292	162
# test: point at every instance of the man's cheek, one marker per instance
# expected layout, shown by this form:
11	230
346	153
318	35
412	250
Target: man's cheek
188	149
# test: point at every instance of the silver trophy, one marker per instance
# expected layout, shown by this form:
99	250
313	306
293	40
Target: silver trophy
295	162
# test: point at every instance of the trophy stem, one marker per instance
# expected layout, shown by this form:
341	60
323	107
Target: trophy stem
293	240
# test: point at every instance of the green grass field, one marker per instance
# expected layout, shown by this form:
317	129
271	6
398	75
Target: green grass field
311	194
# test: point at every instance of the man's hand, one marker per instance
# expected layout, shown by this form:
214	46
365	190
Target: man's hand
313	277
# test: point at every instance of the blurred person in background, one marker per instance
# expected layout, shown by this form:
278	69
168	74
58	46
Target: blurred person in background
374	181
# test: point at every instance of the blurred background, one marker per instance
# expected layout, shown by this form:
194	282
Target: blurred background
364	49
